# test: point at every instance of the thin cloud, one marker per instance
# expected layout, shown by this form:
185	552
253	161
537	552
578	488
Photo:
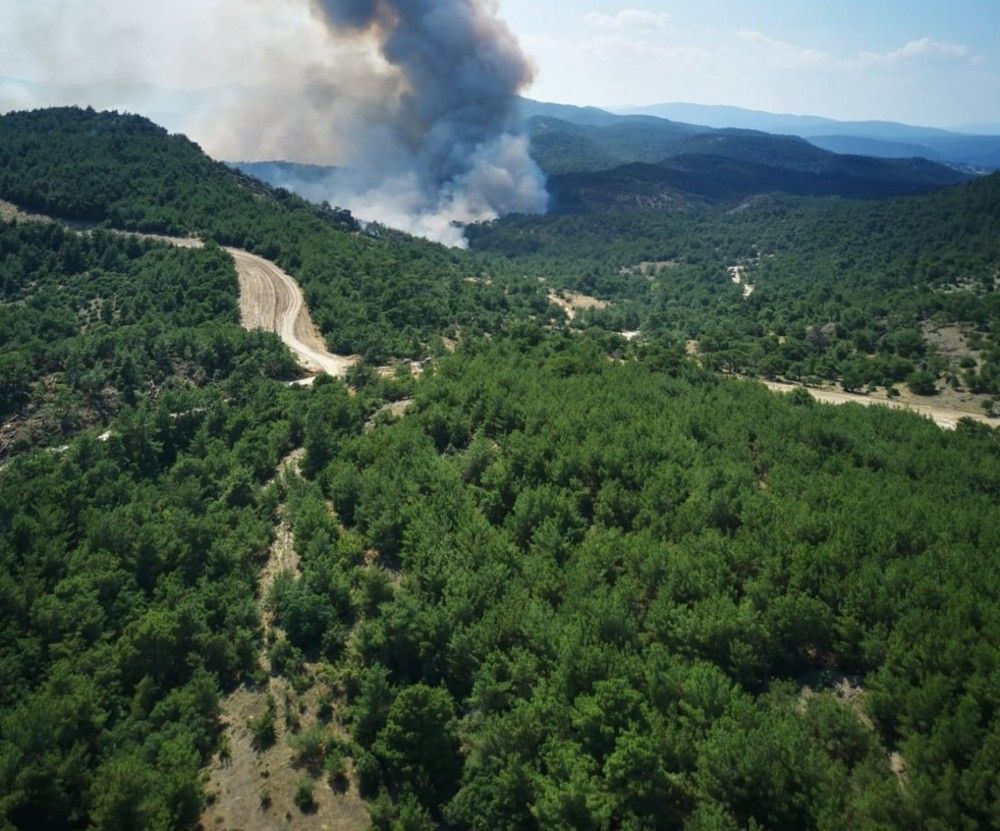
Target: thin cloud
916	50
781	55
633	21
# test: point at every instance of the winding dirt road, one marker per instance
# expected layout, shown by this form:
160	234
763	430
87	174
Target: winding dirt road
270	299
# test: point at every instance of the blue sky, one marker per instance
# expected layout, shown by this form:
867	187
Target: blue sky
187	61
925	62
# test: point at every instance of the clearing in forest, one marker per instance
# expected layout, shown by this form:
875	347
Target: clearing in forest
572	302
253	788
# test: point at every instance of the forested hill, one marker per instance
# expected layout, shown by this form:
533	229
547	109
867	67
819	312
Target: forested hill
636	163
639	163
379	294
849	291
90	324
559	580
130	173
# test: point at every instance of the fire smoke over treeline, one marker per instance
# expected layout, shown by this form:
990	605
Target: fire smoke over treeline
413	100
448	149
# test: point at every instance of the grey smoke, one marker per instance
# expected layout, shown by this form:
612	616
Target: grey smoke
416	98
449	149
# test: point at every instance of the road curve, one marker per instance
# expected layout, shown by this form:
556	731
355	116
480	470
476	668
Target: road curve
270	299
945	418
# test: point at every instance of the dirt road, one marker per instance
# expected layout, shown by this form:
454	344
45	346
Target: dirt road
943	417
270	299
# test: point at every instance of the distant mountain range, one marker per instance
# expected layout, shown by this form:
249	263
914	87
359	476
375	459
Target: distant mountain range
598	160
885	139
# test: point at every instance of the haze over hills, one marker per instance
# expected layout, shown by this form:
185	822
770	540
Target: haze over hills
643	162
596	160
876	138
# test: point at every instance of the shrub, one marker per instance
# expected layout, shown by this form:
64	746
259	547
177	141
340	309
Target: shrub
305	795
310	748
262	728
922	382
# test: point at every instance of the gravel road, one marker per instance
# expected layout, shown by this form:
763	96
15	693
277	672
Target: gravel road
270	299
945	418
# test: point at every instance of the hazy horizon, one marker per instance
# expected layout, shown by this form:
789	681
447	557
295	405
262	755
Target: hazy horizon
189	64
417	98
187	101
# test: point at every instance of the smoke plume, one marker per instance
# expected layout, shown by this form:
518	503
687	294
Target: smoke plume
447	149
412	100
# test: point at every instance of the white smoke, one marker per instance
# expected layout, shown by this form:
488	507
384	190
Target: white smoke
501	179
453	154
415	97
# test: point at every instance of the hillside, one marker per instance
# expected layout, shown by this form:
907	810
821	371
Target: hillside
592	158
842	290
88	324
380	295
641	162
564	574
882	138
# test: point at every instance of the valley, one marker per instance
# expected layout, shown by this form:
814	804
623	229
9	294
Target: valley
557	532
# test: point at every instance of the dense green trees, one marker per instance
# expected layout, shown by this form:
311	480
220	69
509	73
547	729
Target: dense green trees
582	584
127	575
379	294
92	322
640	600
842	289
835	280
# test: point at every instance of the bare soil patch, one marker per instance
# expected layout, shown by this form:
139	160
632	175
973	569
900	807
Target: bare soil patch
397	409
738	274
650	268
945	416
951	341
572	302
253	789
9	211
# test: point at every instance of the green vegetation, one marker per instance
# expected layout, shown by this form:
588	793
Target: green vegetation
90	323
305	793
127	573
835	279
640	162
379	295
842	289
583	583
263	730
631	610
